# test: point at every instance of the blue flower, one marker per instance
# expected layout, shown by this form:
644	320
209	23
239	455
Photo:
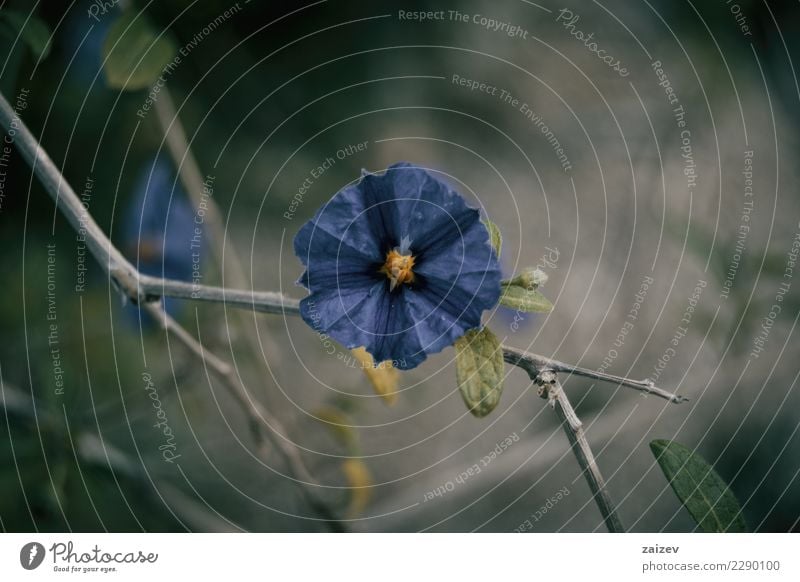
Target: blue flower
399	264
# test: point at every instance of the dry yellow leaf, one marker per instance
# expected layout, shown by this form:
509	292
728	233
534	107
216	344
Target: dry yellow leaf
384	379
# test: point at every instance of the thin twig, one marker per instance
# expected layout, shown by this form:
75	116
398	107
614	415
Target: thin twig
148	291
573	427
192	179
257	415
153	288
532	362
230	269
146	288
127	279
59	189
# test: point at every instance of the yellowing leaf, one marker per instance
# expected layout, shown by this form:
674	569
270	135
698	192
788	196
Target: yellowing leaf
479	370
384	378
524	299
359	479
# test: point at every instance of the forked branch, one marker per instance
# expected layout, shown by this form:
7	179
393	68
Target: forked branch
148	291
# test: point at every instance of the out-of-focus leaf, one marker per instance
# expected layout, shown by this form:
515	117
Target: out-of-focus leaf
33	31
524	299
384	378
134	54
701	490
494	236
359	479
479	370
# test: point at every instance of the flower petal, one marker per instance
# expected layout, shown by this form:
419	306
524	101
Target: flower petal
456	272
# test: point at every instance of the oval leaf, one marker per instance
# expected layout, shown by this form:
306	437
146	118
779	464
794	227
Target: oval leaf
134	54
523	299
701	490
479	370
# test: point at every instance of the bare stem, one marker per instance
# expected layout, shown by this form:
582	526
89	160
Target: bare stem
62	193
532	363
129	281
146	288
230	268
257	415
152	288
573	427
148	291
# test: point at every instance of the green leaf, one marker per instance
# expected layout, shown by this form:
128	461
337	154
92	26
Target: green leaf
33	31
134	54
524	299
494	236
479	370
701	490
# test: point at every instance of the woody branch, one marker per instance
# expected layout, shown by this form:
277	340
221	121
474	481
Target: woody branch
148	291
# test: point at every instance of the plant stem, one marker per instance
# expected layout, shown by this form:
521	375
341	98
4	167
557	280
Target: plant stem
573	427
148	291
257	414
531	362
152	288
124	276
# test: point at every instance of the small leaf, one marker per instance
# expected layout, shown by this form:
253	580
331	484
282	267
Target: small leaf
524	299
33	31
384	378
134	54
494	236
701	490
479	370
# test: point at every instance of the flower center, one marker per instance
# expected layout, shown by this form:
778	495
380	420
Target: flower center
398	268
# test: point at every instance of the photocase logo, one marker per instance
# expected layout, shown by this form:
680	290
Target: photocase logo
31	555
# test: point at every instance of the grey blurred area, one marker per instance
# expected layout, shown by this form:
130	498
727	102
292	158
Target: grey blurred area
660	202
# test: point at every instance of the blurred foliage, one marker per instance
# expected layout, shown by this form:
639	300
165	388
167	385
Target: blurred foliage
135	52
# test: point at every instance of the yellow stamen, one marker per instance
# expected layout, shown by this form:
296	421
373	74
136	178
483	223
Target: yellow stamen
398	268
